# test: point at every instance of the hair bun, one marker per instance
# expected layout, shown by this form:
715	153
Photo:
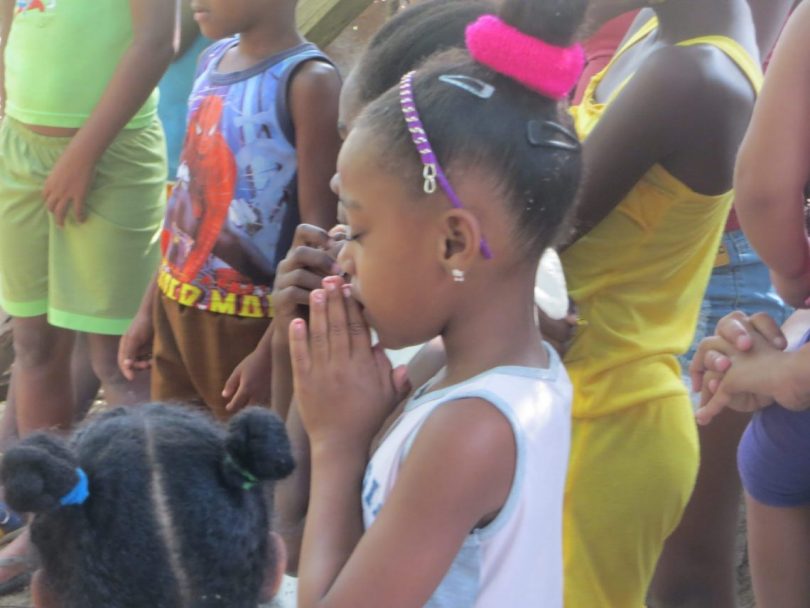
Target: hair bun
37	473
554	21
257	441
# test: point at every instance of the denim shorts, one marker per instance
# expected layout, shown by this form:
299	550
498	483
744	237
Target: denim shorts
739	281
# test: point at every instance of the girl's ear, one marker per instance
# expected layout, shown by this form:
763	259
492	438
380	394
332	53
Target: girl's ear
459	242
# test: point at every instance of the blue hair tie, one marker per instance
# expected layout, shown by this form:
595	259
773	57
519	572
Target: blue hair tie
79	493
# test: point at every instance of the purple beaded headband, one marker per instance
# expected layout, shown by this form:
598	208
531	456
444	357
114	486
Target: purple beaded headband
432	170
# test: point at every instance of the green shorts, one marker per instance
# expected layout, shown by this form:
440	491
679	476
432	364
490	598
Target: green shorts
88	277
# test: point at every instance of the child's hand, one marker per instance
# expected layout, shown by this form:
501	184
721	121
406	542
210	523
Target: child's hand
742	387
559	332
250	382
344	388
312	257
135	347
68	184
735	368
736	330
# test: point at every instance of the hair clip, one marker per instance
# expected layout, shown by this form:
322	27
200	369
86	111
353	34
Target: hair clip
546	134
474	86
250	480
78	495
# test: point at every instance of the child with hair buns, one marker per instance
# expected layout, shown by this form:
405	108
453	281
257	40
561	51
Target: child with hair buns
153	506
462	498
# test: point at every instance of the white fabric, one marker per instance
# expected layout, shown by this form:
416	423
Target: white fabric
516	560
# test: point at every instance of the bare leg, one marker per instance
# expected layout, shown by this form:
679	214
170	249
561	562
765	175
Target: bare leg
117	389
85	382
697	569
43	391
85	389
43	397
779	552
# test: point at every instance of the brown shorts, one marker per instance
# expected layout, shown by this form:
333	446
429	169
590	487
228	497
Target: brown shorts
195	352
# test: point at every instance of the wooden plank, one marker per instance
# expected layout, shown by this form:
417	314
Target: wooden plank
322	20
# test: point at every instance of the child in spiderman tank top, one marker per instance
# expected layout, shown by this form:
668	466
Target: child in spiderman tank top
259	151
462	498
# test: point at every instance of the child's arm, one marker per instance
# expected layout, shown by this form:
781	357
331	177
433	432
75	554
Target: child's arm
187	30
773	165
6	17
267	370
314	94
669	106
135	347
457	474
135	77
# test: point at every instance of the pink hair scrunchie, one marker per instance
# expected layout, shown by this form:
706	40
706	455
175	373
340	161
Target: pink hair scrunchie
550	70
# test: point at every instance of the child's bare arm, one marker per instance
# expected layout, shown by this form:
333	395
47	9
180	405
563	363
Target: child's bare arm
773	165
669	106
292	494
314	96
6	17
457	474
136	75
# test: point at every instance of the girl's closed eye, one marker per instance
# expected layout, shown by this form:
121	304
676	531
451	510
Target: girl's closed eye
354	236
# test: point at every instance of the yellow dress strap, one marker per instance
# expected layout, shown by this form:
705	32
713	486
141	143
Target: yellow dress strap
737	53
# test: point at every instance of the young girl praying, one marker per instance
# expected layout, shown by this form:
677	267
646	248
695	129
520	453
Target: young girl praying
462	497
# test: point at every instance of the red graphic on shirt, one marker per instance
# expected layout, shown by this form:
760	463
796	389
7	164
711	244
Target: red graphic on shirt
32	5
212	168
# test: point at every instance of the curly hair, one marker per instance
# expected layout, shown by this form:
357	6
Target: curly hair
176	515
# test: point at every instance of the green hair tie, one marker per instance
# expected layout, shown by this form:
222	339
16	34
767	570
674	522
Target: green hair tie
250	480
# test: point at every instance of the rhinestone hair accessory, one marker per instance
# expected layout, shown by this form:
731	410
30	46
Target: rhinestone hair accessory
550	70
432	171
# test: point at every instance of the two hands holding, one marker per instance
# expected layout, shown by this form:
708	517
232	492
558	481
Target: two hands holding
744	367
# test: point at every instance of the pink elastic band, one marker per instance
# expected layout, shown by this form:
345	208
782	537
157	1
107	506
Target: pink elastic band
550	70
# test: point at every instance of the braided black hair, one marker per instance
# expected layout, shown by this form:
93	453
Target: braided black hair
176	516
501	135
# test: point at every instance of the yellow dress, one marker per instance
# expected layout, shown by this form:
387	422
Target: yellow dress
638	279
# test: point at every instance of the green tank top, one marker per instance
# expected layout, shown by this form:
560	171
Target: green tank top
61	54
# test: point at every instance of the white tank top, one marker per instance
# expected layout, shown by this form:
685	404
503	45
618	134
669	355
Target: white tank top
516	560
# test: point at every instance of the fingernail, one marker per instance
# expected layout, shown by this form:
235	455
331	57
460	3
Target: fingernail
329	284
347	291
318	296
299	327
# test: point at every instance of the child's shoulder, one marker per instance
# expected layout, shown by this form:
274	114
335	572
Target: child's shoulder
518	392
